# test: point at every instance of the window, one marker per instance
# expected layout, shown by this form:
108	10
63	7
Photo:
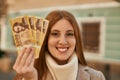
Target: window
91	35
92	30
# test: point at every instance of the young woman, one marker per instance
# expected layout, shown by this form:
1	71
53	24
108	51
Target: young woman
61	56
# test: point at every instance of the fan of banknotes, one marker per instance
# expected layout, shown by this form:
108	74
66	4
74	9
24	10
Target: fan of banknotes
29	31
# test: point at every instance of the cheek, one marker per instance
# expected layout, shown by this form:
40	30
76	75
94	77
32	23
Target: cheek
51	42
73	45
73	42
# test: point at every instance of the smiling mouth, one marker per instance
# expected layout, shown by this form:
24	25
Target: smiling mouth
62	49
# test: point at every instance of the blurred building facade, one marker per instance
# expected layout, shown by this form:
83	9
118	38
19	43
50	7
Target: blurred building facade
99	22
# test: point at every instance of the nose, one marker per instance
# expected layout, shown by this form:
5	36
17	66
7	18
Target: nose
62	40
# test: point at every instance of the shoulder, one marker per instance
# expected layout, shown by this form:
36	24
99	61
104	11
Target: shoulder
95	74
90	72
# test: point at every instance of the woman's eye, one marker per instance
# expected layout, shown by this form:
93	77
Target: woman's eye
55	34
70	34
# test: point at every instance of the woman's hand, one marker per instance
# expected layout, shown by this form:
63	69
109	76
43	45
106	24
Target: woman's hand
24	64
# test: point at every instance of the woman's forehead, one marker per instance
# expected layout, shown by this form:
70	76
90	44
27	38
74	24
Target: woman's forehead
62	24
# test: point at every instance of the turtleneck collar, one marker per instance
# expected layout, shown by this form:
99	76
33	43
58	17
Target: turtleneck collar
63	72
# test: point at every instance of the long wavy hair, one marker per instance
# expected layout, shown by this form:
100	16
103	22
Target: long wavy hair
53	17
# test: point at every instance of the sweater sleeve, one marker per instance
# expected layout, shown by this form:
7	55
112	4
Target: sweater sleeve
96	75
101	76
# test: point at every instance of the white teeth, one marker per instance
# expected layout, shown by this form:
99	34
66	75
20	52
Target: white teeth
62	49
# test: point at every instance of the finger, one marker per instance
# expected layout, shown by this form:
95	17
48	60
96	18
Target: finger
25	56
17	62
33	59
30	58
22	62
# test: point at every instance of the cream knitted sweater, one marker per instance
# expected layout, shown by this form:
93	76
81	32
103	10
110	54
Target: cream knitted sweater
63	72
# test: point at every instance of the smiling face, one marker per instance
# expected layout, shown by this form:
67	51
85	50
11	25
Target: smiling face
61	41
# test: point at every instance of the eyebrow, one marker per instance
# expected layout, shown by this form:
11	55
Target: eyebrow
55	31
59	31
70	31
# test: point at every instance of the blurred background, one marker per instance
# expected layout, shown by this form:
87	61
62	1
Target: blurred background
99	22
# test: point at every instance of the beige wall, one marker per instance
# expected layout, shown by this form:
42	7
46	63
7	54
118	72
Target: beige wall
17	5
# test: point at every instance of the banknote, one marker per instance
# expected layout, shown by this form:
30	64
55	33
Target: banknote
29	31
